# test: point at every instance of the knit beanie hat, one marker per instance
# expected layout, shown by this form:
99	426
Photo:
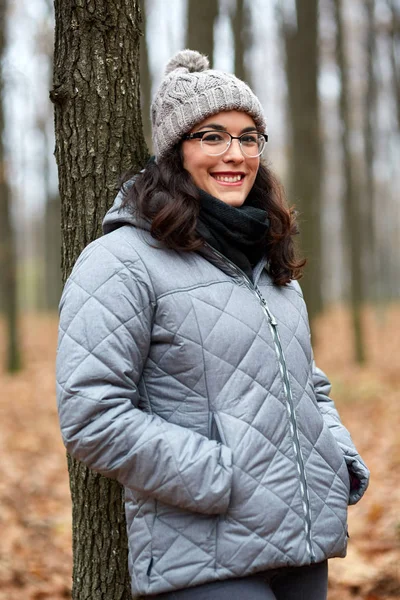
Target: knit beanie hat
190	92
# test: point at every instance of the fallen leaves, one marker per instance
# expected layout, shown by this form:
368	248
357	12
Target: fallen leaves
35	513
368	399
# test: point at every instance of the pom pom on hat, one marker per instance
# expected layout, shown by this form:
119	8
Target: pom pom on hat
192	61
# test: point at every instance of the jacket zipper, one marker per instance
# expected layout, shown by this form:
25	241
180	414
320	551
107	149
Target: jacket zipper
293	422
273	325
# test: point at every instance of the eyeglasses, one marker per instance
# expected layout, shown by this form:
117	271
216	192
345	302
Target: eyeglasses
214	143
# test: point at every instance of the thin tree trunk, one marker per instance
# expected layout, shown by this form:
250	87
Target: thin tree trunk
201	19
43	253
145	77
352	213
395	51
8	267
239	28
369	244
52	244
8	270
302	59
98	137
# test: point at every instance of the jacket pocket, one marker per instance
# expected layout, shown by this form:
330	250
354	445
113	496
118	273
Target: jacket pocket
336	459
216	431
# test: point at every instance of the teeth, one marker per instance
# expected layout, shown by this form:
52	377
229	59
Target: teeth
228	179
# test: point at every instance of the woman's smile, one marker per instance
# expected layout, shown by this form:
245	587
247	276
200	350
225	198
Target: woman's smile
229	178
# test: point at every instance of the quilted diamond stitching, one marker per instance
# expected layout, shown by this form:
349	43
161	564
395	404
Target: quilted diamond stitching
92	351
217	357
277	449
236	317
103	306
326	506
172	376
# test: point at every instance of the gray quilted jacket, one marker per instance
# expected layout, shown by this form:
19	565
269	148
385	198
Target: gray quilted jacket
197	390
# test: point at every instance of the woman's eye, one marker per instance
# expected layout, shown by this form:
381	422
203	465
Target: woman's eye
249	140
213	138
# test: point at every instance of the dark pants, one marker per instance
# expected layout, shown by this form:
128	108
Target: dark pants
294	583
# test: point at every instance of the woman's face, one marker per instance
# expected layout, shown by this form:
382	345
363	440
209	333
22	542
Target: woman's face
229	176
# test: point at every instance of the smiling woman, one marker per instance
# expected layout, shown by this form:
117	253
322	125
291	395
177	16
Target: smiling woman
185	368
218	164
212	179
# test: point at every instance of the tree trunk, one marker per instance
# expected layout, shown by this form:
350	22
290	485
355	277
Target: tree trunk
98	137
239	28
8	267
370	119
302	57
145	77
51	280
352	213
52	244
394	54
201	19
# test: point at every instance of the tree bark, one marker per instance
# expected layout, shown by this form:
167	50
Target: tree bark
352	213
8	267
97	112
201	19
98	137
305	165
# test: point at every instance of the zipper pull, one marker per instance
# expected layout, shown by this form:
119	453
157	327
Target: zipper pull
271	317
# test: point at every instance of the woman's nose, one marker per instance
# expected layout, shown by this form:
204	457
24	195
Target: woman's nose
234	153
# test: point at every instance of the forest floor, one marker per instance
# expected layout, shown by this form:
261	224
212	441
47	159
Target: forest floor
35	519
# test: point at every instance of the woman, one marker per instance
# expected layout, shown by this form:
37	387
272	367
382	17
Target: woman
185	369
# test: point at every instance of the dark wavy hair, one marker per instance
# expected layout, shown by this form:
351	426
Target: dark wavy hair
165	194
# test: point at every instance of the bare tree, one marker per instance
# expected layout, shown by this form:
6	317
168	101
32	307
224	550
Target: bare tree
201	18
99	136
49	280
240	35
145	76
352	213
52	251
8	268
300	35
369	245
395	52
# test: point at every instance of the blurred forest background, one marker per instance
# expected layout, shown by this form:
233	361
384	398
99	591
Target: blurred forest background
328	75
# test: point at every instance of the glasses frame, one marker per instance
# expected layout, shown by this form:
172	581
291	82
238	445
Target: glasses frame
199	136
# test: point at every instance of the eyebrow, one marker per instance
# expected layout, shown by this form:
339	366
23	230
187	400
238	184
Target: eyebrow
218	127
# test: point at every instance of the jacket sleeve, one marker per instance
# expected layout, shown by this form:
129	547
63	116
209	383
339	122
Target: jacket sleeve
359	473
106	314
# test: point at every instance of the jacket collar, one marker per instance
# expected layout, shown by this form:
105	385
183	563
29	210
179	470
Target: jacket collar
228	267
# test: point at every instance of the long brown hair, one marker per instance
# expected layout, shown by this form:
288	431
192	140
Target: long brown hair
165	194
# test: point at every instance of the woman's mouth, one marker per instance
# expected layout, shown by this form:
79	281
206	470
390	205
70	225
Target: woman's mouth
228	178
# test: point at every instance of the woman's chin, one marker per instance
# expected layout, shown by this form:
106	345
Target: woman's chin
231	197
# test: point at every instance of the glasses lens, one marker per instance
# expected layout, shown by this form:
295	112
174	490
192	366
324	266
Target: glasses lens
252	144
215	142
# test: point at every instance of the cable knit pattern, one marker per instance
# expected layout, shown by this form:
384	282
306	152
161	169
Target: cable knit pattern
190	92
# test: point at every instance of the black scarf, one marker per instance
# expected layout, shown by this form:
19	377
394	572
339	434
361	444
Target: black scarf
238	233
